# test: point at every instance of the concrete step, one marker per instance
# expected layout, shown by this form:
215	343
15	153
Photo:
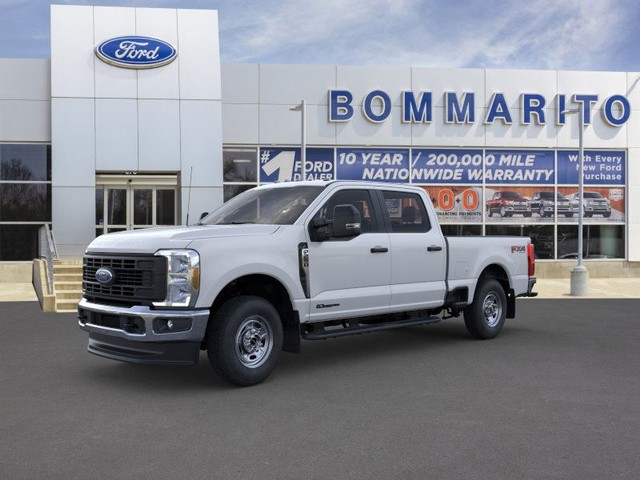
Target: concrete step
67	269
67	261
66	305
68	295
68	286
67	277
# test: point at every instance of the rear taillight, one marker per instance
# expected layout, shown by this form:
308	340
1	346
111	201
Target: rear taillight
531	259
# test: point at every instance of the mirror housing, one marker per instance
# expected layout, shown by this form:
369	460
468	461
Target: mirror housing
346	221
203	214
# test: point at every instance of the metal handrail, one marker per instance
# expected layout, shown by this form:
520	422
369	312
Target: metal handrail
48	250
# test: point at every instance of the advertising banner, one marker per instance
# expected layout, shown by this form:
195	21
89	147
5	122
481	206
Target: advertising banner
600	204
456	203
601	167
284	164
446	166
533	167
379	165
514	204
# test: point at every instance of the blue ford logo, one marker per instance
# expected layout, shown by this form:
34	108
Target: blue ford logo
136	52
105	276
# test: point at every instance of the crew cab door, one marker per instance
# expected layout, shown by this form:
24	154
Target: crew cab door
418	252
349	276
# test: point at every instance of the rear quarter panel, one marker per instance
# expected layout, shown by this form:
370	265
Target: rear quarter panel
469	256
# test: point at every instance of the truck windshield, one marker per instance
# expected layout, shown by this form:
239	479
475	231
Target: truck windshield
268	206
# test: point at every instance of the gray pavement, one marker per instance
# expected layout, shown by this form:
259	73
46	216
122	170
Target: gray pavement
554	396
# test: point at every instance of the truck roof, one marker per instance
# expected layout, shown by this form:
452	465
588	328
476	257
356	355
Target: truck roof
325	183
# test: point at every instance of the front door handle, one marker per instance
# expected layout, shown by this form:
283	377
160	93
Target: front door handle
379	250
434	248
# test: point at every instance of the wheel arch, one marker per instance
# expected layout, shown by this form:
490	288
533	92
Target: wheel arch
499	273
272	290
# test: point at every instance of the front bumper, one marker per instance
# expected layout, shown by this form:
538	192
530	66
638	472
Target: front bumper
139	334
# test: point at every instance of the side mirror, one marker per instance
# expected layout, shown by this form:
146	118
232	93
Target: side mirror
346	221
319	230
203	214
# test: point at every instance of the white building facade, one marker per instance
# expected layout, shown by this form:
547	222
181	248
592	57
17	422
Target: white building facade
91	147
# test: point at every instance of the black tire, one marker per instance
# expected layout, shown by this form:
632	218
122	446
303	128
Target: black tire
606	215
489	212
526	215
480	324
568	215
247	362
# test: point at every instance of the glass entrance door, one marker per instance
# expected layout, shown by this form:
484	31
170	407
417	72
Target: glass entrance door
125	203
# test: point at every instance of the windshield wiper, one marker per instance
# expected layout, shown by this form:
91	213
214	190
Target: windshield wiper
233	223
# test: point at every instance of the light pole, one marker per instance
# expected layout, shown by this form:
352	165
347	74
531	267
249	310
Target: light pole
580	274
302	107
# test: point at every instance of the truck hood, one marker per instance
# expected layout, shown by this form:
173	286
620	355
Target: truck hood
150	240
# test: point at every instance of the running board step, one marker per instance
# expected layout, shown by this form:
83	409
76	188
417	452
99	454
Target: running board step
321	334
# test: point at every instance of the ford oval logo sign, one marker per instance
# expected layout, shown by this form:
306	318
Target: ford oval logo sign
136	52
105	276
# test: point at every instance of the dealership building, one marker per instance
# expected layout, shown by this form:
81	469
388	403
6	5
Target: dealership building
134	123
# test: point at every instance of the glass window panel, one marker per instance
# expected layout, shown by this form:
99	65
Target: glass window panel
541	236
239	164
99	206
165	207
25	202
99	231
461	230
143	207
117	206
599	241
231	191
406	212
25	162
361	200
18	242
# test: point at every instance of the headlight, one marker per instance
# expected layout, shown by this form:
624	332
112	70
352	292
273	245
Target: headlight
183	278
510	202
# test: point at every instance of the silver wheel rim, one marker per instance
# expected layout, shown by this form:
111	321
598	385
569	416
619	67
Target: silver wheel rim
254	341
502	212
542	211
491	309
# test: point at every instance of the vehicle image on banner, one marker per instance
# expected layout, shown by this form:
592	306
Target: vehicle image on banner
544	204
508	203
290	261
595	204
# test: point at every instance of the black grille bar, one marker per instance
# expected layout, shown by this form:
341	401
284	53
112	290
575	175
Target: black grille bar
136	278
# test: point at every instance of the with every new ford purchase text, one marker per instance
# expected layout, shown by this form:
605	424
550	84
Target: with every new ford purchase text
289	261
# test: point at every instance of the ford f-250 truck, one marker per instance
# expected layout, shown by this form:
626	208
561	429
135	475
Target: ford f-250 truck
290	261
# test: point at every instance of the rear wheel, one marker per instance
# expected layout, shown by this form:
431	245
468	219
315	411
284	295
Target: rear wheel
484	317
245	340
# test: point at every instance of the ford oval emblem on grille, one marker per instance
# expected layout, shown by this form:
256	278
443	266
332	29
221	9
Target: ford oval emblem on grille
105	276
136	52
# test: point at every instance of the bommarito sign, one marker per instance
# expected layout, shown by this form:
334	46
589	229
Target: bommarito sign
459	108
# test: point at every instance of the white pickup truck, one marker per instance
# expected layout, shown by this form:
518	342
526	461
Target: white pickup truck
291	261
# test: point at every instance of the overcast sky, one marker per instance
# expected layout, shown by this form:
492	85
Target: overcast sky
530	34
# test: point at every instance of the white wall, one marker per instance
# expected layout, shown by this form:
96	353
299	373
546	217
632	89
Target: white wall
25	100
109	119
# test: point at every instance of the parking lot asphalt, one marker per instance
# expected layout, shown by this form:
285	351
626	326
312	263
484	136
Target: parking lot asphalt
556	395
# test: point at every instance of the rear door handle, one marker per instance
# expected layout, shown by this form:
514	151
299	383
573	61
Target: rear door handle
434	248
379	250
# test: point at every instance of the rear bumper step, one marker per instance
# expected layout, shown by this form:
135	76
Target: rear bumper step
321	334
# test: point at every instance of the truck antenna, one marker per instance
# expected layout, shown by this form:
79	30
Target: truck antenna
189	196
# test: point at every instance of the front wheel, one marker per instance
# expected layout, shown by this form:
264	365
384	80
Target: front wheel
484	317
245	340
